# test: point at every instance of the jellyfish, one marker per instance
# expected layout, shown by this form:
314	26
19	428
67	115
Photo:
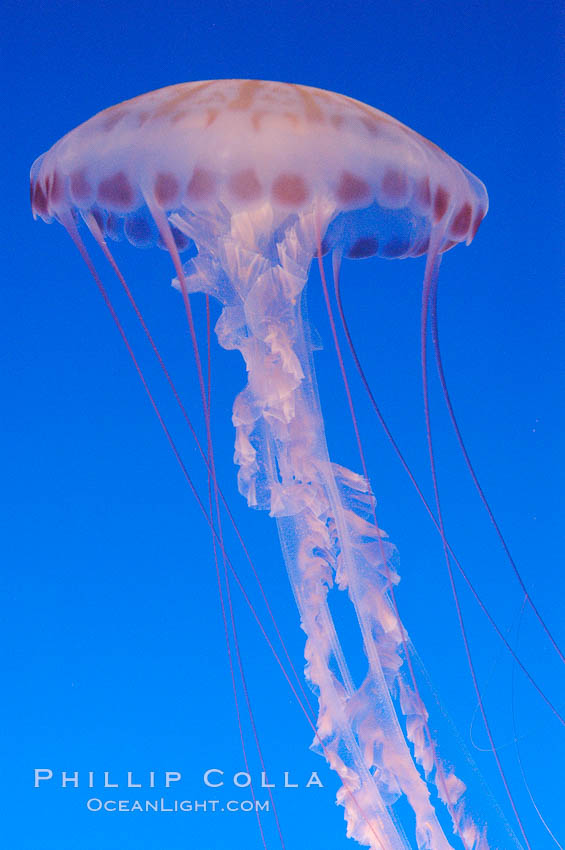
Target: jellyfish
246	184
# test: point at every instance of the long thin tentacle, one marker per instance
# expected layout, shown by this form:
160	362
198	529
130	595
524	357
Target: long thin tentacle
418	489
95	230
430	281
439	364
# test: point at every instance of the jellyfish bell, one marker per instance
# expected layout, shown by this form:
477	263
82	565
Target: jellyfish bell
260	178
244	145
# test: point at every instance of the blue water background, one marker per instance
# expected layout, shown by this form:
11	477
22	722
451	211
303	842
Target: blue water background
113	653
